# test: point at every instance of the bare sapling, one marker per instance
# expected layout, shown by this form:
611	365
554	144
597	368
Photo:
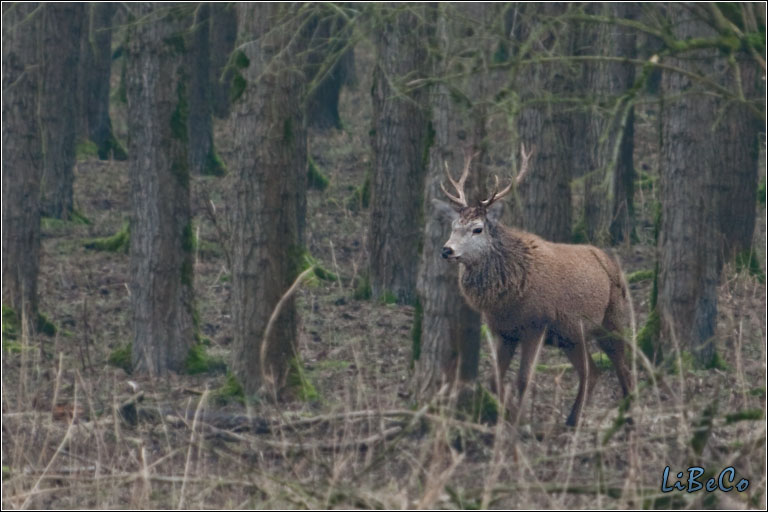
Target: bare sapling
532	291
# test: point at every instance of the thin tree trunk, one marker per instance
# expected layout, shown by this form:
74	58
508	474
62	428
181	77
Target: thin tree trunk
203	158
330	61
62	25
22	158
223	33
94	80
162	237
400	139
270	168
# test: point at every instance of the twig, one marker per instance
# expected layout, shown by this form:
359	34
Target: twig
275	313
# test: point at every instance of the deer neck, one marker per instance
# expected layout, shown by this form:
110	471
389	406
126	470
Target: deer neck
499	276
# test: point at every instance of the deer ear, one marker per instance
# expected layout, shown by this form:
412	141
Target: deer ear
495	212
444	211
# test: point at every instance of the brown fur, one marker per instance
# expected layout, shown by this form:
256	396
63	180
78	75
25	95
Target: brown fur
530	289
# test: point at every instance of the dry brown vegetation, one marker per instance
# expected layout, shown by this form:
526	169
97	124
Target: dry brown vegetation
80	433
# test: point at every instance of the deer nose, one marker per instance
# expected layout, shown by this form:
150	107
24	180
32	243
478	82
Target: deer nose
447	251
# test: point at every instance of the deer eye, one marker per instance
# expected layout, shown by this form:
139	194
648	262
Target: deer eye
477	231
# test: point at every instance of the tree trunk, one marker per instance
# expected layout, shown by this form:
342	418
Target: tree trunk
329	63
223	33
447	332
94	80
203	158
738	137
62	25
22	158
162	236
697	155
546	123
270	169
604	136
400	139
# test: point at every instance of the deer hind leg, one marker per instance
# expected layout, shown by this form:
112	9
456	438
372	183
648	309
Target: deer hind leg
612	343
613	346
587	372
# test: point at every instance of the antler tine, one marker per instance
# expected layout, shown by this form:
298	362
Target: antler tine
461	199
525	159
496	195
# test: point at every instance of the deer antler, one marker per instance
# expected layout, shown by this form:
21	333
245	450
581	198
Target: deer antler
461	199
496	195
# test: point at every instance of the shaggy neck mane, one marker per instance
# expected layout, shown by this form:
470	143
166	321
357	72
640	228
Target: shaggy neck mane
502	271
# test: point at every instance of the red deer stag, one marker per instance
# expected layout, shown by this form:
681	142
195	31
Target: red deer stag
531	290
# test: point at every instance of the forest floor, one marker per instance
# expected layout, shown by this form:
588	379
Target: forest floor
79	432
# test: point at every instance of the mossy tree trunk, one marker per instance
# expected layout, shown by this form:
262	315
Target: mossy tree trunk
400	142
270	168
447	334
95	66
603	139
545	120
704	137
223	33
22	157
162	237
60	53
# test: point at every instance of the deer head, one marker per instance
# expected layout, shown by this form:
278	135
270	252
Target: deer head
473	227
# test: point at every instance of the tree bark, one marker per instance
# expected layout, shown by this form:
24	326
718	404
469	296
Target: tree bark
605	131
400	138
329	63
203	158
546	123
270	168
698	178
738	135
223	33
447	334
94	80
62	26
162	237
22	158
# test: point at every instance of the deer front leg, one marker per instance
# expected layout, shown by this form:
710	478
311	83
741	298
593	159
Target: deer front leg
505	351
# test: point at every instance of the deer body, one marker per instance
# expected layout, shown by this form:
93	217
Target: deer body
532	291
